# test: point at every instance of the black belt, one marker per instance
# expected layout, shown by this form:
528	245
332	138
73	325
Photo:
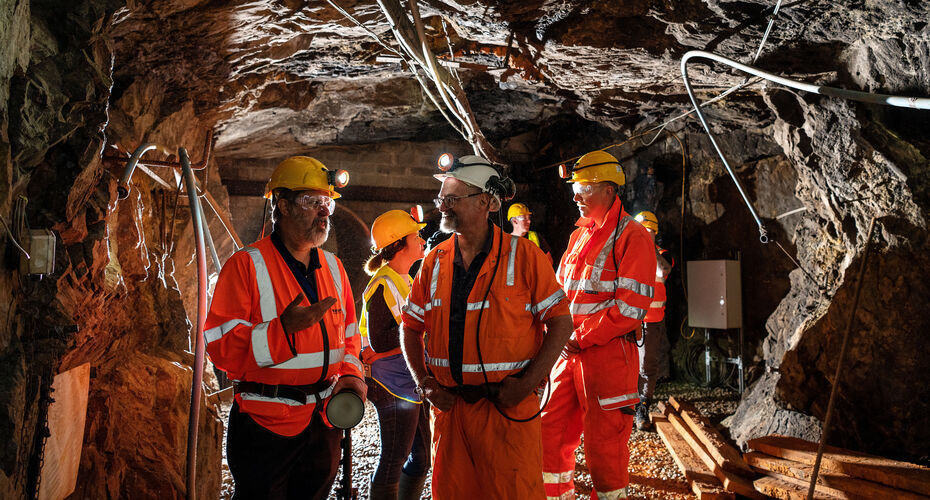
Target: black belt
303	394
474	393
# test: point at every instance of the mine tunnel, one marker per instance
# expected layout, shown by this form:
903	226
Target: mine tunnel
774	155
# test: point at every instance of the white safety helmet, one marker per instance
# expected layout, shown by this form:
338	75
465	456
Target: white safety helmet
472	170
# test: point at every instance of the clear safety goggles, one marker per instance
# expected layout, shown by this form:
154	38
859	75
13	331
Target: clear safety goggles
583	189
315	202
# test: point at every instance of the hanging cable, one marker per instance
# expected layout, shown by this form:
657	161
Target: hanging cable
890	100
13	238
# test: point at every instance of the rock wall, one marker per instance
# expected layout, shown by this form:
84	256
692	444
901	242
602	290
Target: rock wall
854	162
113	299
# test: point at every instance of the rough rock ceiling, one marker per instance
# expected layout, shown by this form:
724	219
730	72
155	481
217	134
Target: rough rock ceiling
277	77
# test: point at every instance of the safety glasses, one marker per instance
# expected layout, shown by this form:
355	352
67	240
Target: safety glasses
583	189
315	202
449	201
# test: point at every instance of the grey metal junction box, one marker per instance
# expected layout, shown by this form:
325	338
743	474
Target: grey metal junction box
715	294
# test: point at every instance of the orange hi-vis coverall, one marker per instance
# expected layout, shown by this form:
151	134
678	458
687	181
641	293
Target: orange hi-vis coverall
590	389
477	452
656	311
245	337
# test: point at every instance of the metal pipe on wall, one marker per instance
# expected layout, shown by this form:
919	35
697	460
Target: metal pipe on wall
197	379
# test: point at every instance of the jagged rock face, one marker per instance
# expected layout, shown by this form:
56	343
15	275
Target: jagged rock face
275	78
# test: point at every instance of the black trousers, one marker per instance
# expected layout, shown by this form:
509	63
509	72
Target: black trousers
265	465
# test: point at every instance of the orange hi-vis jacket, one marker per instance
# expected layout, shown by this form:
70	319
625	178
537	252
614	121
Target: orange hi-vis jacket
608	302
524	294
656	311
245	337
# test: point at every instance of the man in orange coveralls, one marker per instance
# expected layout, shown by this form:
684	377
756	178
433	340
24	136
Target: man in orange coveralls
282	325
608	272
494	320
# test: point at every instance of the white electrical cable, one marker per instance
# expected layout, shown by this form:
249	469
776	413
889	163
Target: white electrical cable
13	239
890	100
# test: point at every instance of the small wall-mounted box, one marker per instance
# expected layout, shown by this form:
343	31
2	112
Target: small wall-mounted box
40	243
715	297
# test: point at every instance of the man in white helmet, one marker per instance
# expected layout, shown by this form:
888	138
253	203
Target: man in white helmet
494	320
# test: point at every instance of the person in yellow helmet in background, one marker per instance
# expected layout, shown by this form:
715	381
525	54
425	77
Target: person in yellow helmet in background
607	271
282	326
654	339
402	415
519	216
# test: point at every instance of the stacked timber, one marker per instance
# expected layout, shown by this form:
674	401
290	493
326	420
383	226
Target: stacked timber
788	466
713	467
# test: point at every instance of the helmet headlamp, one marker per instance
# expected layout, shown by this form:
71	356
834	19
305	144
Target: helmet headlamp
338	178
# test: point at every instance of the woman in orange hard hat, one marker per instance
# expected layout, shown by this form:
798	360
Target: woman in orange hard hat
404	422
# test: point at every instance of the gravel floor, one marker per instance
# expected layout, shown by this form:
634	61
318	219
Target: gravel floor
653	473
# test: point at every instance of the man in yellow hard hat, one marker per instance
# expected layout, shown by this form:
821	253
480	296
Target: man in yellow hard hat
650	349
519	216
608	271
282	325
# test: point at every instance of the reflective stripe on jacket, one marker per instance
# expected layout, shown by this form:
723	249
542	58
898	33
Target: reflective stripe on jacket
608	302
388	368
245	337
524	294
656	311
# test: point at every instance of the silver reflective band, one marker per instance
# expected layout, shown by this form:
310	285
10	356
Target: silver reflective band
546	303
612	495
657	304
263	284
434	281
510	262
624	308
558	477
260	349
618	399
636	287
306	360
474	306
433	303
249	396
568	495
217	332
354	362
333	265
476	368
414	310
352	330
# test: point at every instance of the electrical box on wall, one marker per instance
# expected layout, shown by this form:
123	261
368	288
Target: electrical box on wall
715	297
40	243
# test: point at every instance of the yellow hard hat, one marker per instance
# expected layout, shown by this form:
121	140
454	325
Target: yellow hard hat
596	166
517	210
648	220
392	226
298	173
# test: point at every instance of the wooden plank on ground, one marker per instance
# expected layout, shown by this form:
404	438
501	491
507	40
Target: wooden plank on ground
703	482
66	417
901	475
855	487
725	455
730	481
778	487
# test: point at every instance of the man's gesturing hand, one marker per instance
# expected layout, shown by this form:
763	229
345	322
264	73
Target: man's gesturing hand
297	317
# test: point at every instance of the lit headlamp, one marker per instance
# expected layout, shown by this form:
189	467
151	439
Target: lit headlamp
447	162
337	178
565	171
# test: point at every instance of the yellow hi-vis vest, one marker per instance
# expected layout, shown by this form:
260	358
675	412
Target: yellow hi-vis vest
532	236
396	288
388	368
